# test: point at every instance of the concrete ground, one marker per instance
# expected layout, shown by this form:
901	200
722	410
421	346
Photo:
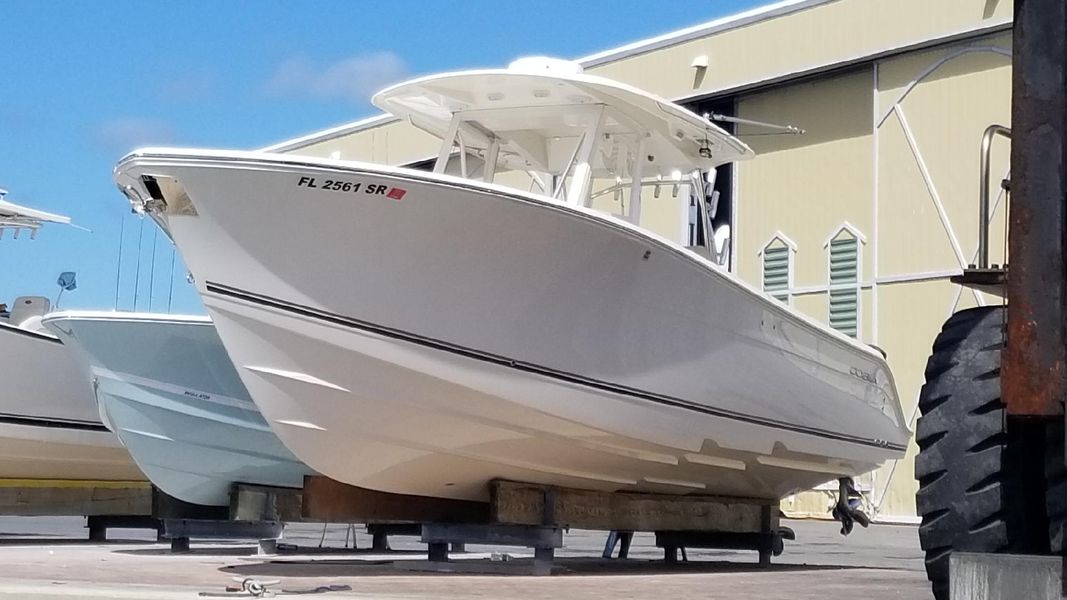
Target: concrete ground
46	558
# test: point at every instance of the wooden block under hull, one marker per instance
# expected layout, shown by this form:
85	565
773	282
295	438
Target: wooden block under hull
58	497
251	502
332	501
522	503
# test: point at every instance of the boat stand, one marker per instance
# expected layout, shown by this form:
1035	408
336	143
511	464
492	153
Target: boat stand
323	500
542	538
677	521
99	524
180	521
535	516
380	533
106	504
768	543
179	531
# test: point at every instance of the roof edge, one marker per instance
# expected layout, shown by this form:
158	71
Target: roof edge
770	11
847	63
325	135
734	21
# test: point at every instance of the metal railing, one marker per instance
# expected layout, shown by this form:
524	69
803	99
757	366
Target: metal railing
983	192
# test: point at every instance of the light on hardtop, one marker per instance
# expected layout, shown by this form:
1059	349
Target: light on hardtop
545	65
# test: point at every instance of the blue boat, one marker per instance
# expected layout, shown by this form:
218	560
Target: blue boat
167	388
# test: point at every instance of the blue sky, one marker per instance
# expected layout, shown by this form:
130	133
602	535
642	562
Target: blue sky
82	83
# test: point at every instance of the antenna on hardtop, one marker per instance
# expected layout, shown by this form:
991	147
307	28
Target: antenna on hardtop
779	129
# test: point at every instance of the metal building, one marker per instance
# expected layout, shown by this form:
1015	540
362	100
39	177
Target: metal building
861	220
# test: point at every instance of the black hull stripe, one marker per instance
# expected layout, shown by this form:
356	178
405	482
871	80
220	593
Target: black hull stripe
305	311
50	423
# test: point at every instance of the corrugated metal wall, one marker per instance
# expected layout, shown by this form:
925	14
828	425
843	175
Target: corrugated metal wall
891	153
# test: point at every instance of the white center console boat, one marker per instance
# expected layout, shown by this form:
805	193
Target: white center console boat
49	424
424	333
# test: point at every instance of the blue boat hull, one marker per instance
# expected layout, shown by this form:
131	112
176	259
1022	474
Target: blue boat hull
167	388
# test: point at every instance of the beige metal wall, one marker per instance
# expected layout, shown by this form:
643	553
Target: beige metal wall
809	186
782	47
891	151
771	49
393	143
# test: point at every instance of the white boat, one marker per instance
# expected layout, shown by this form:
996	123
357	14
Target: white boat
16	218
49	425
424	333
168	389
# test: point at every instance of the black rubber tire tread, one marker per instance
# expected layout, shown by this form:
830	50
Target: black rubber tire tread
966	496
1055	484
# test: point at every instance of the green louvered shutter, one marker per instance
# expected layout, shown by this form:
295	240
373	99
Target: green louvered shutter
844	293
776	270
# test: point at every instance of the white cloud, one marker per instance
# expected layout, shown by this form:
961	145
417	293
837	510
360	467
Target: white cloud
353	79
123	134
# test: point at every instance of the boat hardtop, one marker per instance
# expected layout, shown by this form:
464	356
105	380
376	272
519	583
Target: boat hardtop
25	312
548	118
17	218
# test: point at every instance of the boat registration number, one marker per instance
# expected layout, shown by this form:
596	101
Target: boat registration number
336	185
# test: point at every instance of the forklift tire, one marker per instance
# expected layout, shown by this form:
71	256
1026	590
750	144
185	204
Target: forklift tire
969	494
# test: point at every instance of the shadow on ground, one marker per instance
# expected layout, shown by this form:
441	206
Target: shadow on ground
243	549
28	539
383	567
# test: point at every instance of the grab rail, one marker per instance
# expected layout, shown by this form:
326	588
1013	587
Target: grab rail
983	192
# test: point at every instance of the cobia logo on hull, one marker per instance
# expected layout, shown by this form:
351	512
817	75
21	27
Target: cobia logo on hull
865	376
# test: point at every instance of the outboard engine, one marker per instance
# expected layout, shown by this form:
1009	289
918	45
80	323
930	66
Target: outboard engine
26	307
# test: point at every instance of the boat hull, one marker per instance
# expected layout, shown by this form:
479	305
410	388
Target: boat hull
48	452
448	333
169	391
49	424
